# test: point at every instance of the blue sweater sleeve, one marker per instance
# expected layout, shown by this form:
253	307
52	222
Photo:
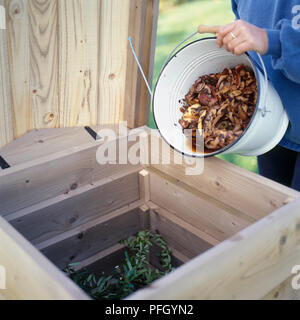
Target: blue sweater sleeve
285	50
234	9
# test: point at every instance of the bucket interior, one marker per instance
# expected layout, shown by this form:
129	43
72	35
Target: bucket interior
198	58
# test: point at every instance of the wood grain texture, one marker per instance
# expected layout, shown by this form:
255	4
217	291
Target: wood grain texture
43	142
53	175
247	266
78	62
185	238
238	188
6	117
70	63
86	240
43	73
18	31
114	22
65	212
142	30
29	275
189	206
284	291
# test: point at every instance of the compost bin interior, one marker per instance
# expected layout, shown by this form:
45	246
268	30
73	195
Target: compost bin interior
73	209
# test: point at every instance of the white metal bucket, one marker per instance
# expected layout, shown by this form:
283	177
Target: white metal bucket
202	57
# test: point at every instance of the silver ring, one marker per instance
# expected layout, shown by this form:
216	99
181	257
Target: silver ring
233	35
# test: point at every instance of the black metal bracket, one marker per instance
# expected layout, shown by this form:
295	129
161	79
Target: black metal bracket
3	163
93	133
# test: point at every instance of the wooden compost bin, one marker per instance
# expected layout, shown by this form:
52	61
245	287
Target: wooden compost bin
235	234
238	225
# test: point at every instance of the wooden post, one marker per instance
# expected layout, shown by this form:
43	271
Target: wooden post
144	183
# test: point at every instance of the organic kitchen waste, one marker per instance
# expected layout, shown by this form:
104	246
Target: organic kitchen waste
219	107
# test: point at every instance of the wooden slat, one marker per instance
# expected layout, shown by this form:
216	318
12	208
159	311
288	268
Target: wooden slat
29	275
65	212
114	21
284	291
179	256
187	204
40	143
43	44
18	30
53	175
120	87
247	266
142	29
183	237
6	120
245	191
78	61
104	261
88	239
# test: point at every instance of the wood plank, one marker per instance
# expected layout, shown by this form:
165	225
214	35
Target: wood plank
42	142
78	30
284	291
55	174
65	212
179	256
245	191
6	118
88	239
142	29
104	261
39	143
183	237
122	94
43	72
188	205
18	33
114	21
29	275
247	266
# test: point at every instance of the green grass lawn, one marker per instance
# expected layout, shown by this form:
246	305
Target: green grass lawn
175	24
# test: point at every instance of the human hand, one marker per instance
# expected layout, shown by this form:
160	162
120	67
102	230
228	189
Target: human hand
239	37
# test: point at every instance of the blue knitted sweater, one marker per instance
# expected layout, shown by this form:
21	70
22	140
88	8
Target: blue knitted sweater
281	19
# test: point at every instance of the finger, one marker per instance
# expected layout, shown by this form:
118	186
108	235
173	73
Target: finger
242	48
230	42
227	28
223	32
235	43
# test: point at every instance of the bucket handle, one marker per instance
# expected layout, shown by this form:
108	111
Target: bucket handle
264	109
204	29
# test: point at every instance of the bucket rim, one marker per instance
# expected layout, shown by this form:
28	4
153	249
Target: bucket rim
218	152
